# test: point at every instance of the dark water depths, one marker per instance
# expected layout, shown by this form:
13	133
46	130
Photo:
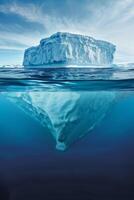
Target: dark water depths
90	111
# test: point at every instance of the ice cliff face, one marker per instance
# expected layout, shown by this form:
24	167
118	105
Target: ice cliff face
68	115
69	49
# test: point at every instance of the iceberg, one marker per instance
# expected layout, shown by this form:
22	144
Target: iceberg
63	49
68	115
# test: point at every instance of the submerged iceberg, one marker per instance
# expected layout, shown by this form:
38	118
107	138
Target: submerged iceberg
68	115
69	49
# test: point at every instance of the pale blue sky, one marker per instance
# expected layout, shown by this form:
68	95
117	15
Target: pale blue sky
24	22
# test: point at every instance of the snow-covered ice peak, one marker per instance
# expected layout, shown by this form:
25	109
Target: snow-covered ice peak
69	49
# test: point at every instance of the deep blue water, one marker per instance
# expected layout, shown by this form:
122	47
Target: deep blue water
99	165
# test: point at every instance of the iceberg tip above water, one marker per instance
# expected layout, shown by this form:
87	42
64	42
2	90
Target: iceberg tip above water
69	49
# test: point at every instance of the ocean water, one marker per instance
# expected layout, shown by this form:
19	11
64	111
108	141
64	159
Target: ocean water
67	134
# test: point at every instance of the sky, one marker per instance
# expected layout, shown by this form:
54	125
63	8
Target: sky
23	23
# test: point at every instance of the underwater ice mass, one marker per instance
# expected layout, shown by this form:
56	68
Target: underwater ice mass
68	115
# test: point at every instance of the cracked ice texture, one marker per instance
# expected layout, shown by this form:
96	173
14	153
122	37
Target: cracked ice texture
69	49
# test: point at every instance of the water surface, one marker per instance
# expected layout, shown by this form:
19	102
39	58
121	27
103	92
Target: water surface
95	104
